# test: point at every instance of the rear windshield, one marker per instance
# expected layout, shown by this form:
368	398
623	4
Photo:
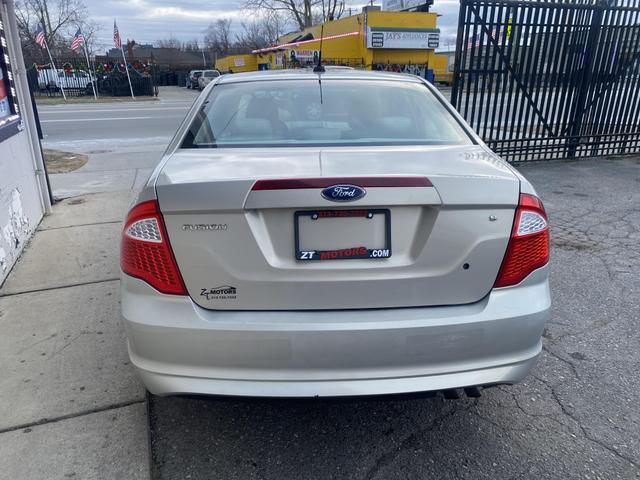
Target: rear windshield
211	74
335	112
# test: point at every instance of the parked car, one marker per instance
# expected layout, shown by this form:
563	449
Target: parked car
206	78
192	79
346	237
49	79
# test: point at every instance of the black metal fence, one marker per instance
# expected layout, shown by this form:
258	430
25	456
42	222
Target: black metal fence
172	77
546	79
79	79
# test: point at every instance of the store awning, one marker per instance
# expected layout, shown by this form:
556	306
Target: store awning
284	46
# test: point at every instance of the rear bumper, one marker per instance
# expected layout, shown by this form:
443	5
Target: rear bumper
179	347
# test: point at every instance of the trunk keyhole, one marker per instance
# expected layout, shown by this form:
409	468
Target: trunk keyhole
465	266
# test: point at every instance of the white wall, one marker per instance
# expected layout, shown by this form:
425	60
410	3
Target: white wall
23	194
20	206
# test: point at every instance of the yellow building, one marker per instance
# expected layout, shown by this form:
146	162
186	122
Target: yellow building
374	39
238	63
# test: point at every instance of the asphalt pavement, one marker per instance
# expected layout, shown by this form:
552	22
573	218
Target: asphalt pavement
86	127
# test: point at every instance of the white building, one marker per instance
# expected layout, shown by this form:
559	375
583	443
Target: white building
24	193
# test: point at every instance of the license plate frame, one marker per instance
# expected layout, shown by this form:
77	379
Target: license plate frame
356	252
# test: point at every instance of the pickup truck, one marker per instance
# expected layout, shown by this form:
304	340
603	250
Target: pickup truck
50	79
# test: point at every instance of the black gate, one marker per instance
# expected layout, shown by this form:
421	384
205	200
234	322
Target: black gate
550	79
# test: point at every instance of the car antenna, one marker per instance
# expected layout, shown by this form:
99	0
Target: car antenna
319	68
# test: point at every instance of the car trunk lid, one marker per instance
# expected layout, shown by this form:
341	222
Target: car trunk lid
443	213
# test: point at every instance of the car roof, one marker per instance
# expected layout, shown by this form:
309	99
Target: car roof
303	74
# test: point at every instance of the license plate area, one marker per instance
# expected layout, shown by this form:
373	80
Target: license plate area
342	234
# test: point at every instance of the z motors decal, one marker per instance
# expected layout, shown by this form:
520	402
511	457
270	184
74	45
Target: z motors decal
224	292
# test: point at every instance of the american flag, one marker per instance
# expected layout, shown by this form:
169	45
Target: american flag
40	40
116	36
78	39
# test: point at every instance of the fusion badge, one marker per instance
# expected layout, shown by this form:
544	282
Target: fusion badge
343	193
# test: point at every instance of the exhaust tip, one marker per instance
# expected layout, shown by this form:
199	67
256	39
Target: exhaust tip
473	392
452	393
457	393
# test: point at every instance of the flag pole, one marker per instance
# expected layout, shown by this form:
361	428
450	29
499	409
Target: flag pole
93	66
93	86
127	69
204	62
55	70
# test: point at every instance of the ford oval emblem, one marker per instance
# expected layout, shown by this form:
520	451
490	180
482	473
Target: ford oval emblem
343	193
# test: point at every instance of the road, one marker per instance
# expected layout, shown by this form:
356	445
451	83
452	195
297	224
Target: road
90	126
123	140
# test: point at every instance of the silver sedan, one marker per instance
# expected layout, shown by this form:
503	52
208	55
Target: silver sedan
332	233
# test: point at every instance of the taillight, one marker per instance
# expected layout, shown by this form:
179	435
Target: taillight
528	247
145	252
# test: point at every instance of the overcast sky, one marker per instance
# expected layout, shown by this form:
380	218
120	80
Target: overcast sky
147	21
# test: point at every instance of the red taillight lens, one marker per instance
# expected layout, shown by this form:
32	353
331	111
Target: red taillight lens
145	252
528	247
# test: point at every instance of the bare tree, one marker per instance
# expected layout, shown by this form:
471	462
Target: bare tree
332	9
170	42
90	30
60	18
217	37
261	32
304	13
192	45
274	25
251	37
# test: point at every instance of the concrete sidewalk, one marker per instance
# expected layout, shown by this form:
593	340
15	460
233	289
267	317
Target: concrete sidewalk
116	170
70	404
